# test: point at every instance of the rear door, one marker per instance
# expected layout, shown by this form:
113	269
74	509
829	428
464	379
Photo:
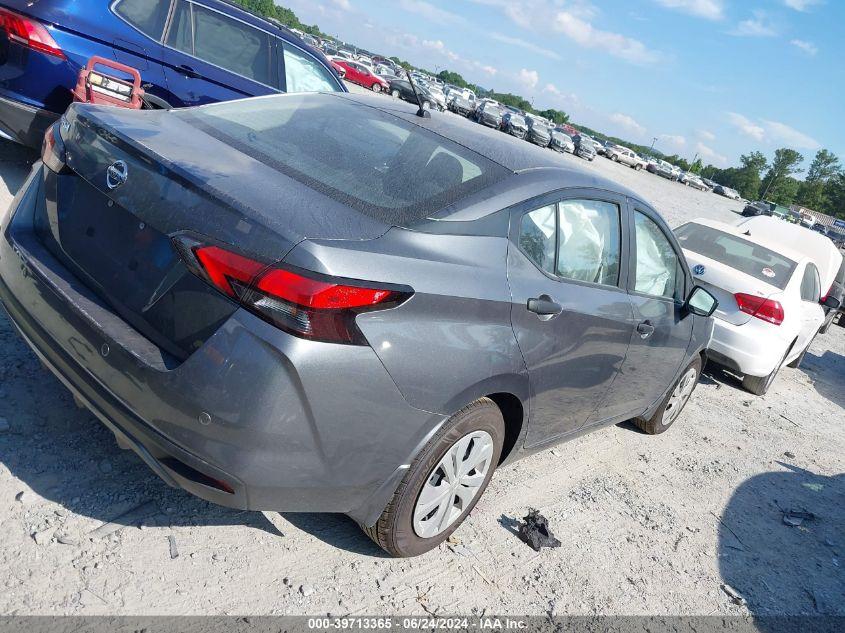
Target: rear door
211	56
142	49
657	286
571	315
812	313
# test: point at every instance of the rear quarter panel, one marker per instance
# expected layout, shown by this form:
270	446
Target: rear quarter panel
452	342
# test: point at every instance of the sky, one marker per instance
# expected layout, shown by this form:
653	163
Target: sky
717	78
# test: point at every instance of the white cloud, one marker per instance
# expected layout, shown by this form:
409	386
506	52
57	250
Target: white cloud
675	141
529	46
808	47
746	126
709	155
801	5
627	123
573	20
707	9
438	46
707	135
528	78
585	34
758	26
343	4
429	12
781	132
772	132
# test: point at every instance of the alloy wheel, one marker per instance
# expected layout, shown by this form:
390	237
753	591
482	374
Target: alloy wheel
452	484
680	395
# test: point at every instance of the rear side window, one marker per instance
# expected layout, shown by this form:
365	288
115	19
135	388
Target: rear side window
303	73
222	41
148	16
537	235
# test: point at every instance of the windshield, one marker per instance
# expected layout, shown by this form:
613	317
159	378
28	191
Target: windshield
361	156
749	258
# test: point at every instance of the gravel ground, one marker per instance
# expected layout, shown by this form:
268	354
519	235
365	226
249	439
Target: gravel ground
649	525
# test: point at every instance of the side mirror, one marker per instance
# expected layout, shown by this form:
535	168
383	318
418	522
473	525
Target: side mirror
701	302
832	302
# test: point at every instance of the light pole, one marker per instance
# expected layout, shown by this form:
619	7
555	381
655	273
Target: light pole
651	151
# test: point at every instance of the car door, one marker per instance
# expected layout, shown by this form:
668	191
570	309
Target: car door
657	286
211	56
571	315
812	313
139	44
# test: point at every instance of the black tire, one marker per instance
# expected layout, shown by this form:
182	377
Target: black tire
394	531
800	359
395	93
759	385
638	167
376	88
656	424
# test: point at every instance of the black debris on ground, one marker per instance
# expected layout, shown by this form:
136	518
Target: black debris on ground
534	531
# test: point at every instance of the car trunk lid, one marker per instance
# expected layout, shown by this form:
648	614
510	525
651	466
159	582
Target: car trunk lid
724	282
138	181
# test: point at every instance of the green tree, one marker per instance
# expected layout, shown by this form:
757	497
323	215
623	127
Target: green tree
812	192
450	77
557	116
835	196
775	186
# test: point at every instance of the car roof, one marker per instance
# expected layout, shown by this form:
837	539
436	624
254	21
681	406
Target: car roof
733	229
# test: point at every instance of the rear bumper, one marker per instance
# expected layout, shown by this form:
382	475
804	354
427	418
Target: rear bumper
753	348
24	123
285	424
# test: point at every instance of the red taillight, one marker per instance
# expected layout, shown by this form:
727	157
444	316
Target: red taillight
52	150
30	33
766	309
298	302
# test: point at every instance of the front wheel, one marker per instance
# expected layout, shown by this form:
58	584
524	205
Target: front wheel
376	87
395	93
675	401
638	167
443	483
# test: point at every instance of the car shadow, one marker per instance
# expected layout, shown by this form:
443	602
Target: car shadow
16	161
65	456
827	371
715	374
781	542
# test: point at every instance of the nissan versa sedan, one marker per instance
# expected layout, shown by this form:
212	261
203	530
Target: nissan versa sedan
326	303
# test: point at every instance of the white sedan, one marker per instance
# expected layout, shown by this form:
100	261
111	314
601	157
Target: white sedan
769	309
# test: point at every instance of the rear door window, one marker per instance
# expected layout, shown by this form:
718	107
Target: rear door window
810	284
221	41
148	16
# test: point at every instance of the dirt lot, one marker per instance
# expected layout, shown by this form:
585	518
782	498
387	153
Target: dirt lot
650	525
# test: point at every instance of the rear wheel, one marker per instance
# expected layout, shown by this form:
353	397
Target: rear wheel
443	483
675	401
759	385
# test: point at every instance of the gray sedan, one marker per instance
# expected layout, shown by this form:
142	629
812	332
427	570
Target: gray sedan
327	303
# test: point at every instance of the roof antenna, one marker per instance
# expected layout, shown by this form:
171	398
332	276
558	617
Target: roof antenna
422	112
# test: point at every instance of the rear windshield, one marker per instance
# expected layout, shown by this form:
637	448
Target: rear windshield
752	259
369	159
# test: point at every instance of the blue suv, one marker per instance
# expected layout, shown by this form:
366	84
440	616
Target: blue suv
189	52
